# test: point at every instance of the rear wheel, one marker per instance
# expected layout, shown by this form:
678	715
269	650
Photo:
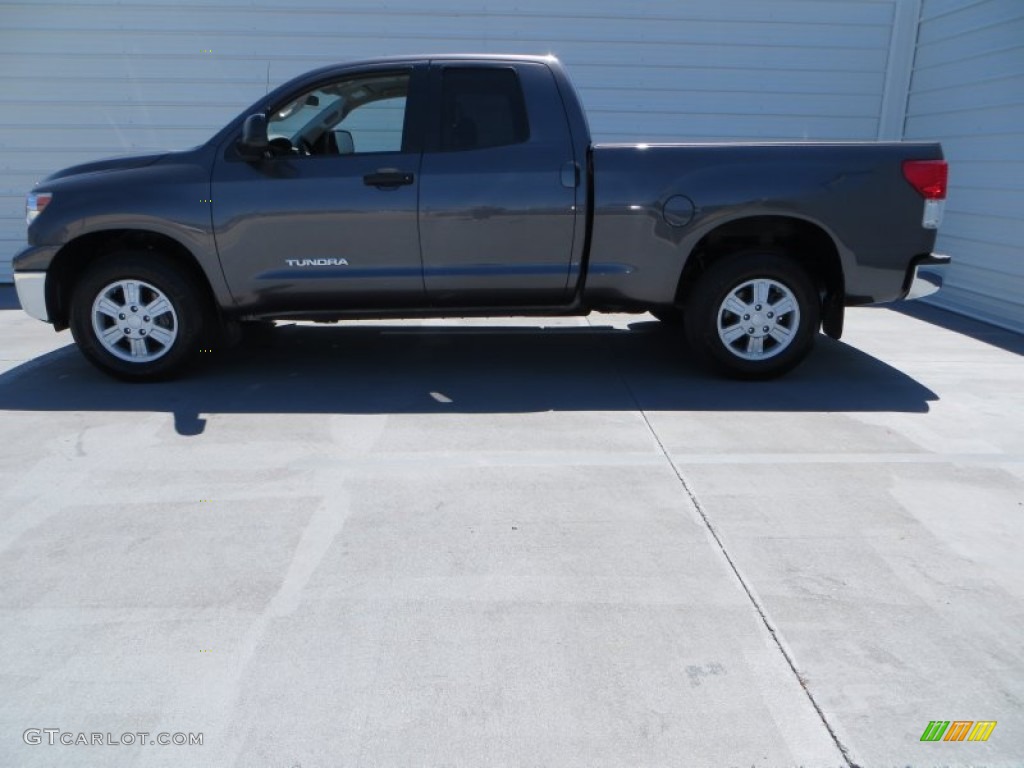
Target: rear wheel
753	315
136	316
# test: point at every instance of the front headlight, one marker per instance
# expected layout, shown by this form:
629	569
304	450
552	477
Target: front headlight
35	203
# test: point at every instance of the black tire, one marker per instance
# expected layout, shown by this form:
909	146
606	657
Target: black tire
753	342
110	324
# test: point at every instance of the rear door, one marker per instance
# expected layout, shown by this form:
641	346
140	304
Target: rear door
498	187
329	222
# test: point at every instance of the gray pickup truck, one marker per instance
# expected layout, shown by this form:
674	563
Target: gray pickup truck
469	185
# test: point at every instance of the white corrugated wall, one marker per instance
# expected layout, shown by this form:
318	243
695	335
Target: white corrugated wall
88	79
968	92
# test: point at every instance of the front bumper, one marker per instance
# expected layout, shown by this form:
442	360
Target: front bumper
926	276
31	287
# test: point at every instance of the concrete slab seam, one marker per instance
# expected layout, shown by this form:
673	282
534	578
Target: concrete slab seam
772	631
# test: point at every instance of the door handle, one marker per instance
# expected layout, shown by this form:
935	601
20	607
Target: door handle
387	177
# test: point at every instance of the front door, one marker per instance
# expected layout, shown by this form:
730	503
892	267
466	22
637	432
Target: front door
329	221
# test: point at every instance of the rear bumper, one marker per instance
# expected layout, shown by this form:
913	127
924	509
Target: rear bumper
925	276
31	287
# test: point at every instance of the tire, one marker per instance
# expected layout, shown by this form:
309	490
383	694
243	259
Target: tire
753	315
137	316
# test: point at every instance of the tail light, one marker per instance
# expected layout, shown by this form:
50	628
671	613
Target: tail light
928	177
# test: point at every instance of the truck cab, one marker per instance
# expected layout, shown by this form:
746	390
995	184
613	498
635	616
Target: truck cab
403	186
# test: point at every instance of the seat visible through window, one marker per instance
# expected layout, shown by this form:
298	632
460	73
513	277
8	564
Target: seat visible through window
481	108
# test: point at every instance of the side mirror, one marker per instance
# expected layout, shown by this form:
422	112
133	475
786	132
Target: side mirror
254	142
344	141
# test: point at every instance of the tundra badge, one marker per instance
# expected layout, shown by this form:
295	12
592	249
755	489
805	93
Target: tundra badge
316	262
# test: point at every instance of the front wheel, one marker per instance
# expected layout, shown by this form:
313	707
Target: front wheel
753	315
135	316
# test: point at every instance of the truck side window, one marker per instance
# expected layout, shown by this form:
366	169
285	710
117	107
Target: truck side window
353	116
480	108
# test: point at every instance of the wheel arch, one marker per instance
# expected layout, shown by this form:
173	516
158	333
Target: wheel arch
72	261
804	240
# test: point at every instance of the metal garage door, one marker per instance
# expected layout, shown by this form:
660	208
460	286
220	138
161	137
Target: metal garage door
968	92
93	78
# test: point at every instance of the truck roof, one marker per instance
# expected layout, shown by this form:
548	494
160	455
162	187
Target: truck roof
548	59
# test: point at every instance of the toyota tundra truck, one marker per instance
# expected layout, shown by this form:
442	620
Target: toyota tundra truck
469	185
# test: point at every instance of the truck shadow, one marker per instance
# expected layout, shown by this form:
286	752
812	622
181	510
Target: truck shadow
372	369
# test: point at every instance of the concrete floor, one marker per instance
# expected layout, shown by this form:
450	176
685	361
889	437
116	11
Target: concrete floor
515	543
